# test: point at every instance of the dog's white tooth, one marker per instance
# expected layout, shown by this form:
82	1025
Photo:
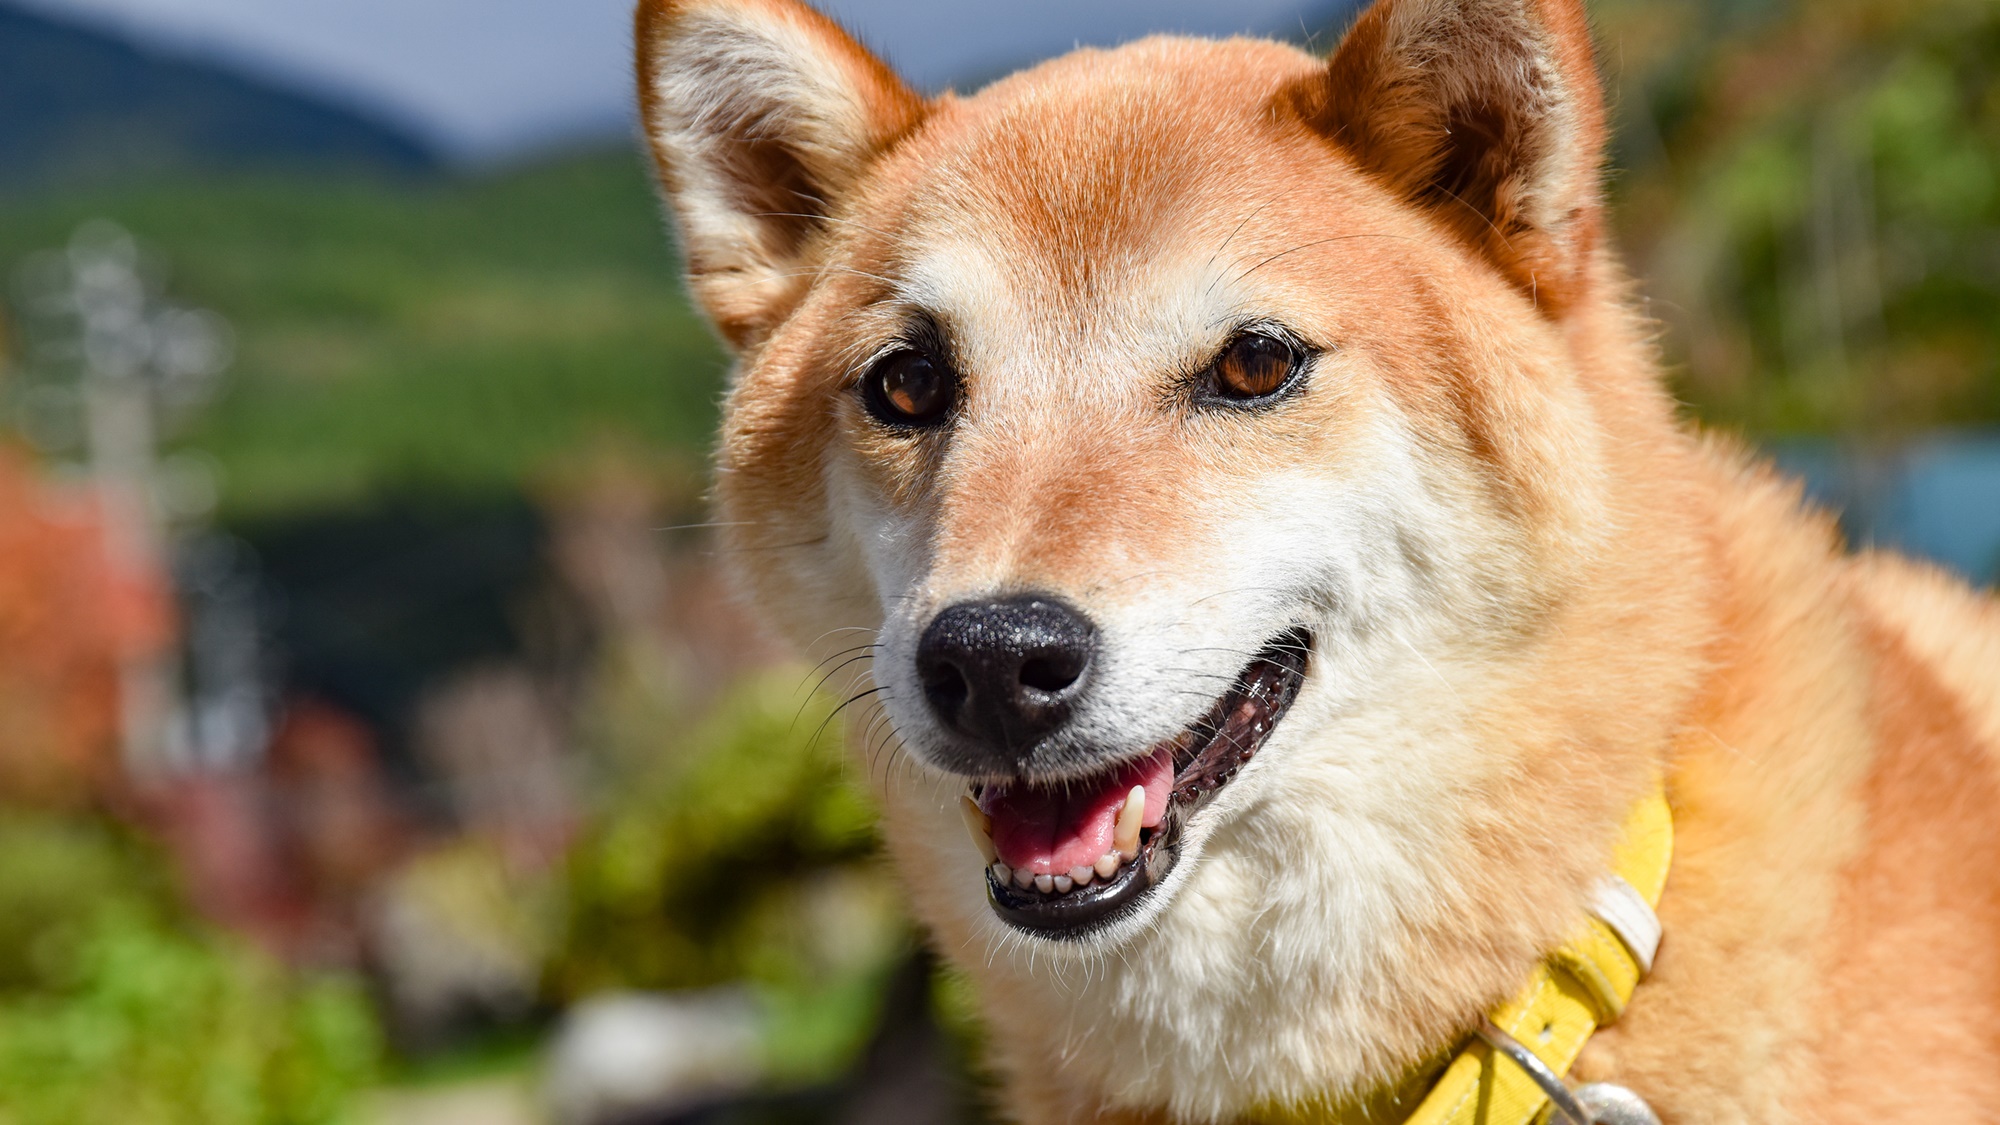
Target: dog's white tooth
1125	837
1023	878
1081	875
1045	883
1002	873
980	825
1107	865
1063	884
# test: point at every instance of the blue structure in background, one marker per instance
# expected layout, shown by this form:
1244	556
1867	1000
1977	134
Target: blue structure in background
1937	497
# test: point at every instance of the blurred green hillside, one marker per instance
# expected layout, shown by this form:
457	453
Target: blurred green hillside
456	334
80	105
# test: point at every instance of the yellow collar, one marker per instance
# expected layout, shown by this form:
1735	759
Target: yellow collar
1582	986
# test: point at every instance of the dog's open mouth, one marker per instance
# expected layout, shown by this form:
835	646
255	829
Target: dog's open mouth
1070	856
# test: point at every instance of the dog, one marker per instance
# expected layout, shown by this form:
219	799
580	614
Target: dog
1247	482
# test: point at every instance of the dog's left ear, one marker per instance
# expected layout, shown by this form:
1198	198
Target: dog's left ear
762	115
1487	112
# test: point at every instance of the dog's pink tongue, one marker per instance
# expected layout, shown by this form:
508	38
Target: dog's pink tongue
1051	829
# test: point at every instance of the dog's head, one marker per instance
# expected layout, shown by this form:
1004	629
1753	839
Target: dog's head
1189	437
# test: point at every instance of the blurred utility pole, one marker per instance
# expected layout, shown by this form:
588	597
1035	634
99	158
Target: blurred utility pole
131	361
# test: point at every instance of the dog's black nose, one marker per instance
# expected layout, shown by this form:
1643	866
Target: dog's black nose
1006	672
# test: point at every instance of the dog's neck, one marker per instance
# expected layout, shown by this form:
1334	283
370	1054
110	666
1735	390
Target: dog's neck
1511	1070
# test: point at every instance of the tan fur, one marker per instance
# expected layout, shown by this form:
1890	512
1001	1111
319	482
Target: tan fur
1531	587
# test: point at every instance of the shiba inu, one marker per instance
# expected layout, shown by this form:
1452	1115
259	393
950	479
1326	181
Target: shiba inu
1281	579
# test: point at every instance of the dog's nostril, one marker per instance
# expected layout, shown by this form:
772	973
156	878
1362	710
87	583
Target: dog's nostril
945	687
1050	674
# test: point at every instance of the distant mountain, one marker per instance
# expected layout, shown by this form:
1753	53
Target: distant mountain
81	107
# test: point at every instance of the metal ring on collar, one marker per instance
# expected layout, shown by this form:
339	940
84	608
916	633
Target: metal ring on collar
1614	1105
1566	1106
1597	1103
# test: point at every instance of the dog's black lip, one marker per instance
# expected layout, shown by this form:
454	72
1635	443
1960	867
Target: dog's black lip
1203	765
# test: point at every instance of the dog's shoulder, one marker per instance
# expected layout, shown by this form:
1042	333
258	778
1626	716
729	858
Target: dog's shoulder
1953	630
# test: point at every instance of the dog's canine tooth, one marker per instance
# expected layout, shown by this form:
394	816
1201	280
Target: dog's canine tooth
1002	873
1063	884
980	826
1125	837
1045	883
1081	874
1107	865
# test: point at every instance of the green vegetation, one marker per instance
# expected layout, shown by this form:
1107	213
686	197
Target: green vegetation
114	1008
742	854
459	334
1812	193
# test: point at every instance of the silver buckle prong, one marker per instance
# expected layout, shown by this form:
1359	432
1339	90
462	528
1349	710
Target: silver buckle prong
1565	1103
1596	1103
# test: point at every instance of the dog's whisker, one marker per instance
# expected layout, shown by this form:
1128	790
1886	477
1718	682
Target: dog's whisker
843	652
707	524
875	692
838	629
1240	590
823	219
718	552
831	268
806	697
836	669
1319	242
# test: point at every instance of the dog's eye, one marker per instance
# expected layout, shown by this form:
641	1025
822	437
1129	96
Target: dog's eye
909	388
1254	366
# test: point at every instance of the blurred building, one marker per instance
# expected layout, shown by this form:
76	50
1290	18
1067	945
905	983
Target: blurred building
1936	497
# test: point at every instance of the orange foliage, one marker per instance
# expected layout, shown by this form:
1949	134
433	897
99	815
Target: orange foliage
67	621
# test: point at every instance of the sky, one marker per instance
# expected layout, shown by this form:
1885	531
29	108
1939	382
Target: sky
483	79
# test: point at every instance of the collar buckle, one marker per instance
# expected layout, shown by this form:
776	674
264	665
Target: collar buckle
1597	1103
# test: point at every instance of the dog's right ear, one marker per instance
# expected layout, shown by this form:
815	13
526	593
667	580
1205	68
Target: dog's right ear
761	114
